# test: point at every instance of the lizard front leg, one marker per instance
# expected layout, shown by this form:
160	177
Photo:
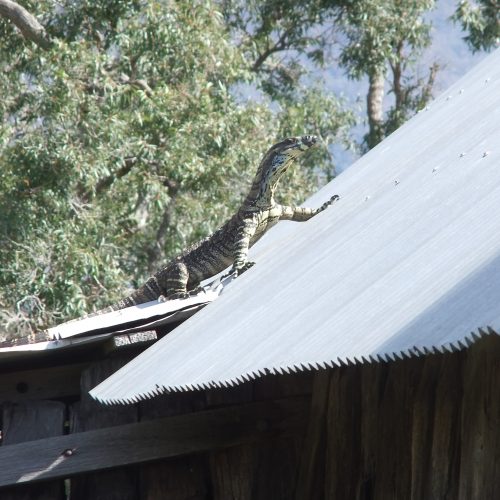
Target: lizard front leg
176	280
242	245
302	214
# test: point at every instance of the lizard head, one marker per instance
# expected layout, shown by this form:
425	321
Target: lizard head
284	153
292	147
274	164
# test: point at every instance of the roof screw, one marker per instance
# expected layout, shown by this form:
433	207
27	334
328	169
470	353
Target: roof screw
462	155
448	98
485	154
396	182
367	198
435	169
68	452
461	91
487	80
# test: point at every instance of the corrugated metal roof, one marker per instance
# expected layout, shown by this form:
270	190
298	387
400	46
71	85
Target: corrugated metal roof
407	262
123	324
135	318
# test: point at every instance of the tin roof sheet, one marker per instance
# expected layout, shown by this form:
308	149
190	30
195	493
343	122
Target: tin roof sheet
407	262
122	324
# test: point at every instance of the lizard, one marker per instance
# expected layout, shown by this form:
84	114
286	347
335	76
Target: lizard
229	244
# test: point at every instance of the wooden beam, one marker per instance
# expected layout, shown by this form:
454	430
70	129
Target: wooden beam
88	415
43	383
64	456
309	482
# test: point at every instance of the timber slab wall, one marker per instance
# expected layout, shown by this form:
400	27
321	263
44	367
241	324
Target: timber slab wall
421	428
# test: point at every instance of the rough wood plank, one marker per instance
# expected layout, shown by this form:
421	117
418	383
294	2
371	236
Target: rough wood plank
393	452
444	459
283	385
343	426
44	383
266	469
150	440
233	472
480	437
179	478
231	469
242	393
373	379
169	405
24	422
277	466
29	420
88	415
423	431
310	479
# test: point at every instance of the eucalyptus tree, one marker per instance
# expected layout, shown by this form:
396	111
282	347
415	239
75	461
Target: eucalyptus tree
384	39
121	142
380	40
480	20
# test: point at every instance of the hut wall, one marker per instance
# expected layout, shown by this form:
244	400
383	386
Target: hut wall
421	428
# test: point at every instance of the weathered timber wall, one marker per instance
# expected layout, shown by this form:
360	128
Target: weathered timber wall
28	421
419	429
424	428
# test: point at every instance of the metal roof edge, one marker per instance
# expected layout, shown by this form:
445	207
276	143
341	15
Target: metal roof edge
375	358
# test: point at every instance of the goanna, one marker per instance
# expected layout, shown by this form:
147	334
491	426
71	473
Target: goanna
231	242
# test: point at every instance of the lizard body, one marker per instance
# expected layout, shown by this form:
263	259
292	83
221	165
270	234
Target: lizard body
230	243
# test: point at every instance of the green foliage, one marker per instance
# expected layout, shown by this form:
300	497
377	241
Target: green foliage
380	33
387	37
481	20
323	115
120	145
95	130
283	41
124	142
275	35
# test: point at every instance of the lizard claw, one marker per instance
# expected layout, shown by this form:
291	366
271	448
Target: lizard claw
238	270
333	199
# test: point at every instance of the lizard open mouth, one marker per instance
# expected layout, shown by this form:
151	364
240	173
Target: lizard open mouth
309	140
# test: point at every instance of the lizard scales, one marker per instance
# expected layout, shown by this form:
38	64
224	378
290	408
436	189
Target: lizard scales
230	243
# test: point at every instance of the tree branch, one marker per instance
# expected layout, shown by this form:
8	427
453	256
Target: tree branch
397	75
427	89
141	84
277	47
27	23
105	183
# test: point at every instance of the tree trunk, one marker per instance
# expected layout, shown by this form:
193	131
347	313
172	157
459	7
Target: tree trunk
375	99
27	23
